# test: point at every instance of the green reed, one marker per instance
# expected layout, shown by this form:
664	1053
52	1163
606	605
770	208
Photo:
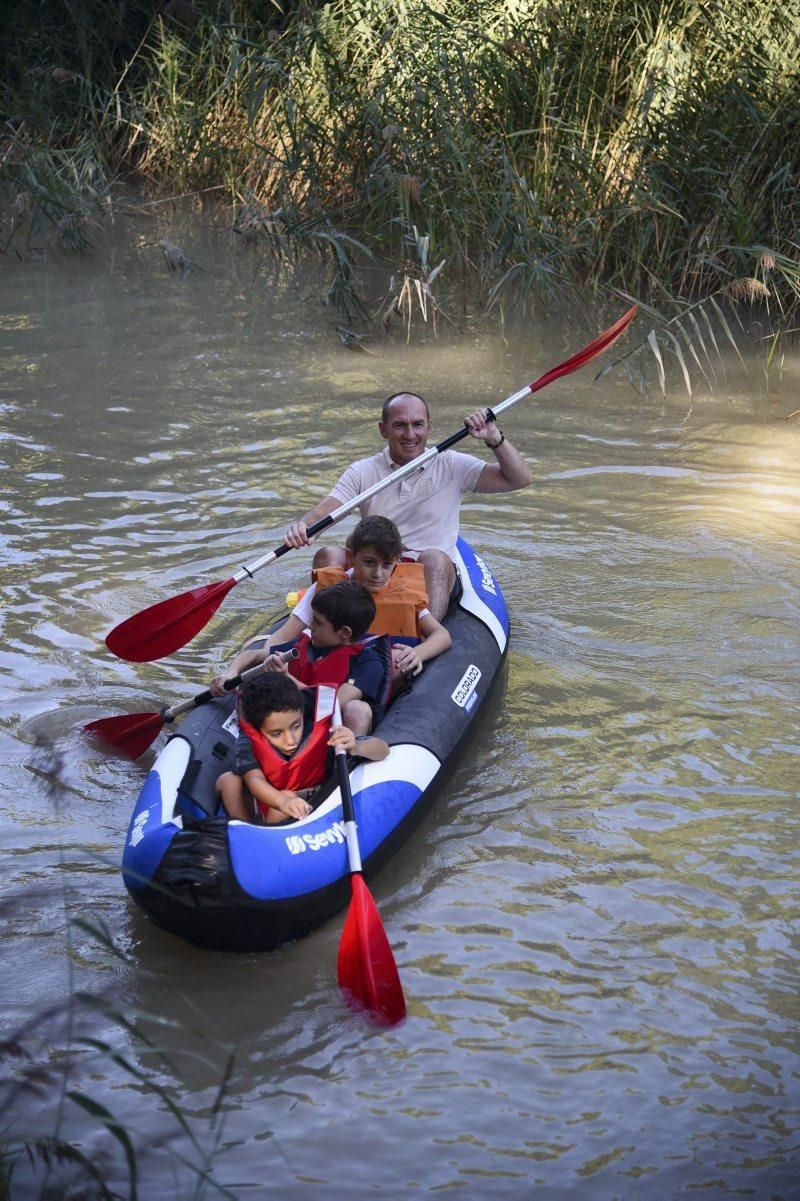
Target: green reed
551	152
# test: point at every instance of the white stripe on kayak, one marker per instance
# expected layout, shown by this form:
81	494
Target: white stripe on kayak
473	604
406	763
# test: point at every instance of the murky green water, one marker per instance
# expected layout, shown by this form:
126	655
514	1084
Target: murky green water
595	929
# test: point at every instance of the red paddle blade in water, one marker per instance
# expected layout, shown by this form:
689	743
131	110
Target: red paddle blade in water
601	343
367	970
131	733
167	626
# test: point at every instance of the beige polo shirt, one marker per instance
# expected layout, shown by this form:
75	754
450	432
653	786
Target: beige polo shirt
425	505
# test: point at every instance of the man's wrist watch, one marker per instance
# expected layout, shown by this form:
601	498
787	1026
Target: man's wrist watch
496	445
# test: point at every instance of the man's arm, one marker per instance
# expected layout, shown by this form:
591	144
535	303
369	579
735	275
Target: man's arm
510	472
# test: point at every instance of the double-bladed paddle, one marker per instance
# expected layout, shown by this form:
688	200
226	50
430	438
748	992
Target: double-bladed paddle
167	626
366	968
133	732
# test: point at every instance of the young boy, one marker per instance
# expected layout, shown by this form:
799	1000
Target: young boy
285	749
374	551
335	650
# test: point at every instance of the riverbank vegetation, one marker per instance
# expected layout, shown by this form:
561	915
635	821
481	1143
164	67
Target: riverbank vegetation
547	153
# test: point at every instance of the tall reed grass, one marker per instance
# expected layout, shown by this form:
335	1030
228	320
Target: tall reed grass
551	151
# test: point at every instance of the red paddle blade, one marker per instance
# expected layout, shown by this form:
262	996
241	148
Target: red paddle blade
367	970
131	734
601	343
167	626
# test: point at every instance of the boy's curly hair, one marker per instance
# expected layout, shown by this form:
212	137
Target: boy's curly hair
268	692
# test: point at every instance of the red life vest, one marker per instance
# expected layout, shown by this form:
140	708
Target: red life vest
396	604
306	768
333	668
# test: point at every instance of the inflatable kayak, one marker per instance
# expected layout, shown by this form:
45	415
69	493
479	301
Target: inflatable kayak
229	885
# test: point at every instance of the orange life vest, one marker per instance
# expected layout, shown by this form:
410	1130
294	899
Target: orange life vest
306	768
398	602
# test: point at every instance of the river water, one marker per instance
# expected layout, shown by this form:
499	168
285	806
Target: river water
596	927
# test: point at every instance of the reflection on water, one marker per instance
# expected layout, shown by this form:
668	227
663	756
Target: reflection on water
596	927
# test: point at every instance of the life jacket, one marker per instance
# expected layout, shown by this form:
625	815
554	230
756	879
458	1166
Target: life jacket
334	668
397	603
307	766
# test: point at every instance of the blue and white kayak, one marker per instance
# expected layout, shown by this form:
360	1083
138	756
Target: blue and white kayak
232	886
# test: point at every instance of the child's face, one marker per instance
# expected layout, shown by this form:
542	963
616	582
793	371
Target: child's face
323	634
371	568
284	730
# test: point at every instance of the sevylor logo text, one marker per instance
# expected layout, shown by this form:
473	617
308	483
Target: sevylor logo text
297	843
487	580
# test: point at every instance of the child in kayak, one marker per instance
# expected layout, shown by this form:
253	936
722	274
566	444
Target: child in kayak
285	749
334	649
374	552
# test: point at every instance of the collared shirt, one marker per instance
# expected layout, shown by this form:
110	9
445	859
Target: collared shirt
425	504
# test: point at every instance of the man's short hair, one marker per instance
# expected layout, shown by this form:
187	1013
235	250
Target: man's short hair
346	604
396	396
379	532
268	692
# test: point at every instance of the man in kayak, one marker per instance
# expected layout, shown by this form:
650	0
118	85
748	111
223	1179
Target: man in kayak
425	506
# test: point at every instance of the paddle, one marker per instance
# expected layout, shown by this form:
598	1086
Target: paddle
167	626
132	733
366	968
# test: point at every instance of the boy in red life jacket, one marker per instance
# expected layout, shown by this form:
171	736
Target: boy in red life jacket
374	552
333	650
285	749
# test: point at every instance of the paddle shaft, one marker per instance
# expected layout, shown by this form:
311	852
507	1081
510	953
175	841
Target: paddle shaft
202	698
343	776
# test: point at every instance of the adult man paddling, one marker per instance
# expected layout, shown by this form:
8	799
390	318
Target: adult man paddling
425	505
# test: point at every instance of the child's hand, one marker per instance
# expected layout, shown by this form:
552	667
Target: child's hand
217	685
293	805
406	660
344	738
275	662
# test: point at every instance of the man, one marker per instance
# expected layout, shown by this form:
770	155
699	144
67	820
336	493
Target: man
425	505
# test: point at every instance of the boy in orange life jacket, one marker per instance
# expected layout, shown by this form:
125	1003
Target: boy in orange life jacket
337	652
285	748
374	551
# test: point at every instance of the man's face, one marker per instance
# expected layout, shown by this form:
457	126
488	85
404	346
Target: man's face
406	429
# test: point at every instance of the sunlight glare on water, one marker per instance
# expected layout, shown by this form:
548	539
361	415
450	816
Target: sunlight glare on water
596	928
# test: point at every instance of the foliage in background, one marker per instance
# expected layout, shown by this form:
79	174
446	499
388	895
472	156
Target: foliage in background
550	151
